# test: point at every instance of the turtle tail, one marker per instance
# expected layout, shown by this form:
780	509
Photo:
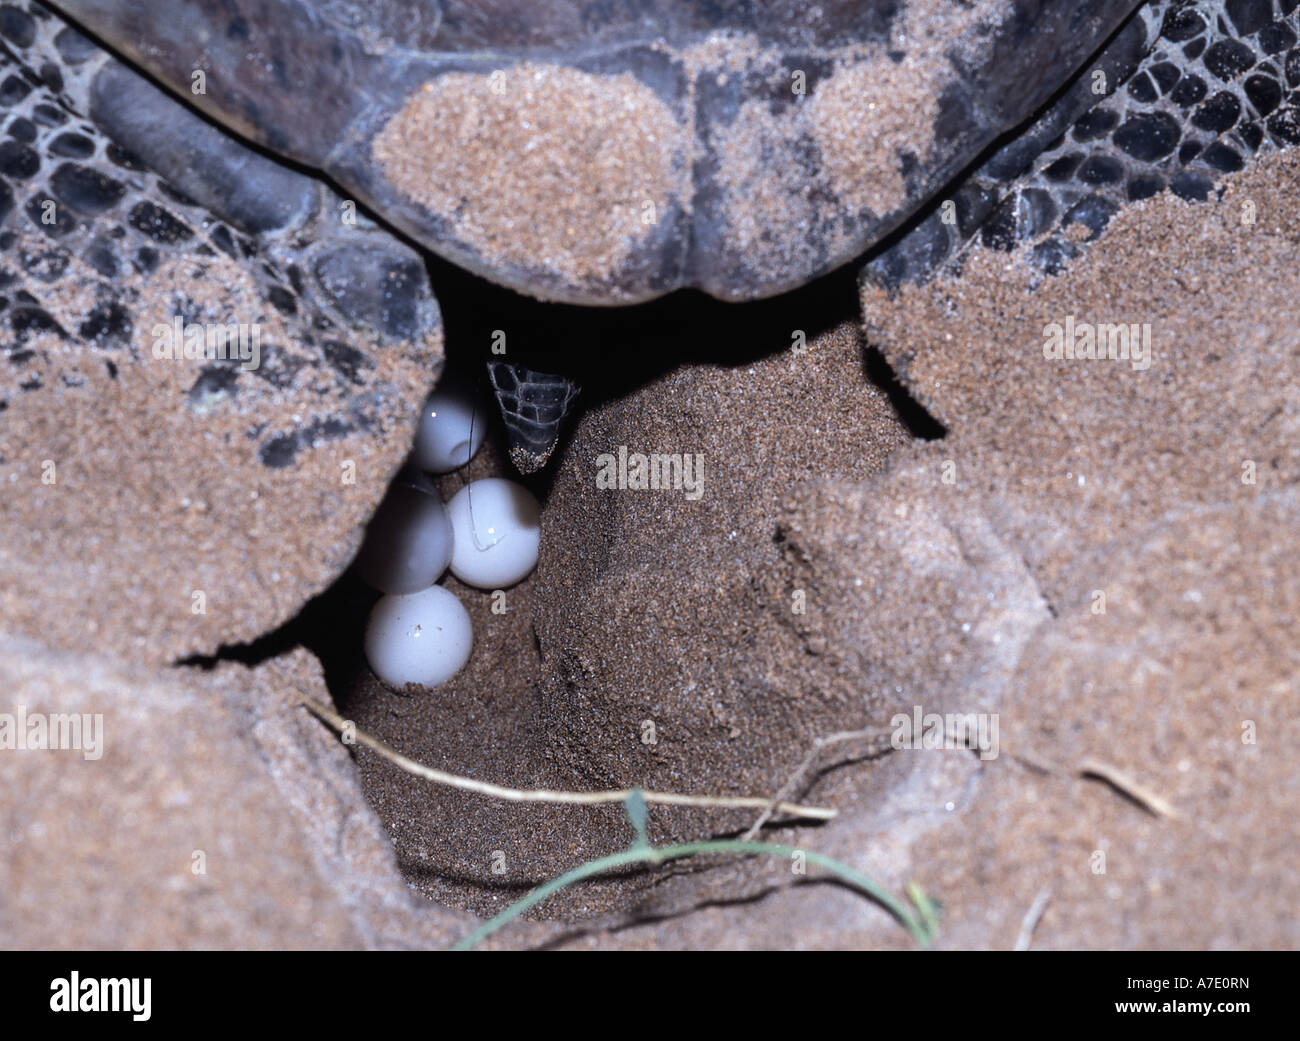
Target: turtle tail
534	406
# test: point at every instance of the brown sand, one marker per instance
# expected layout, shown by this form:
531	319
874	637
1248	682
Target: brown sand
1082	452
539	166
872	112
864	122
214	817
633	577
898	121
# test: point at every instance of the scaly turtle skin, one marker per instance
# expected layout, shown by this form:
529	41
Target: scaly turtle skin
1202	87
534	406
97	244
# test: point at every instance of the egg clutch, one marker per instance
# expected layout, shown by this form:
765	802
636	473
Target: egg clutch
487	535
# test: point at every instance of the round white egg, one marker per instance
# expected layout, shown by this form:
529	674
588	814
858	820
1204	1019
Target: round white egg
496	531
408	543
451	429
422	638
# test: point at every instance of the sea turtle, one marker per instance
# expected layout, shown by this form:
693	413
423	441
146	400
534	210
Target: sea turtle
607	152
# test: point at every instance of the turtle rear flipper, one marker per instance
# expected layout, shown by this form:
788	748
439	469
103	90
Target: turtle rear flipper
966	207
1203	95
126	211
224	390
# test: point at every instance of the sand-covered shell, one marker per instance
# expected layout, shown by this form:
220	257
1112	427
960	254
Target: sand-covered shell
611	152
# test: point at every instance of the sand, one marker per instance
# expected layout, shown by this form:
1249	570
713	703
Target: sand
879	110
539	166
957	574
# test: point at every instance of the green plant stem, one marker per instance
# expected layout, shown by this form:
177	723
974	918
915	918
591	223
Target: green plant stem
641	853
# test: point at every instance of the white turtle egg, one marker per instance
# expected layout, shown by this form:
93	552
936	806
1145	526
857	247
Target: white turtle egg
408	542
423	638
451	429
496	526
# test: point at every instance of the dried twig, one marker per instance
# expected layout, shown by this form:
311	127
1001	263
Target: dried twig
496	791
1154	804
775	804
1030	922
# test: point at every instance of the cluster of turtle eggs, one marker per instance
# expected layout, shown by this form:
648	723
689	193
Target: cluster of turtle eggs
487	534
